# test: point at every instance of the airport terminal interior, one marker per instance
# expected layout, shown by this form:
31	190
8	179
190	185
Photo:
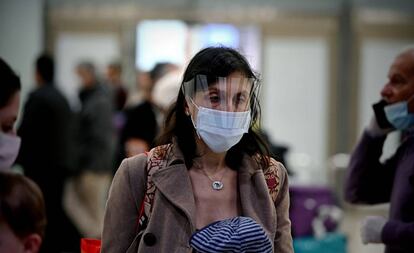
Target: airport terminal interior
321	63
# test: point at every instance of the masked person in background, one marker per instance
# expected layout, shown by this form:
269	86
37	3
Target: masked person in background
9	108
165	91
212	175
372	182
141	125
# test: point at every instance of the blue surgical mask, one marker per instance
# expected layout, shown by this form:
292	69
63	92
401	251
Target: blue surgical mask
221	130
398	115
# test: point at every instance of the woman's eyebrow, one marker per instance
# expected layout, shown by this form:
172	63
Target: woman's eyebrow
243	92
213	88
221	93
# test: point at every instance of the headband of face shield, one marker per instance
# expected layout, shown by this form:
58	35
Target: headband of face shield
220	109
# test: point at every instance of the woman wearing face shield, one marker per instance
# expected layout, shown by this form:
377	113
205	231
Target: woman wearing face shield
214	187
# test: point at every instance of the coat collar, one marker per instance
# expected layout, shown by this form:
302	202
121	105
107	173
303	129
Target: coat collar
254	195
173	181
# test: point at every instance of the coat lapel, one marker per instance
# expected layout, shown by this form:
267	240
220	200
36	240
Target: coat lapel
254	195
174	183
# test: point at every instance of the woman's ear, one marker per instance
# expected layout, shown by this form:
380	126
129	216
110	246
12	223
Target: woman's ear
32	243
186	109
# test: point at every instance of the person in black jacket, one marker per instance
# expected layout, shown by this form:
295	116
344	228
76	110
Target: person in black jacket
141	124
46	154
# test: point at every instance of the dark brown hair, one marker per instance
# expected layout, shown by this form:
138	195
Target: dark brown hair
21	205
9	83
215	62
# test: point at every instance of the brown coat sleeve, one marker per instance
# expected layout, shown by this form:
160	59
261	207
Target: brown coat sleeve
283	239
122	208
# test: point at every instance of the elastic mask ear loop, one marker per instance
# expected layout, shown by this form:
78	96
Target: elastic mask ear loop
191	117
410	99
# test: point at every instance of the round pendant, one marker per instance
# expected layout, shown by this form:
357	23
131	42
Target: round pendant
217	185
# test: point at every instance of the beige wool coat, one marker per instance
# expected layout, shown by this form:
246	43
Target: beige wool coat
172	220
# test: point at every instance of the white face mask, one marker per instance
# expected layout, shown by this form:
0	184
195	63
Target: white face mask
9	149
221	130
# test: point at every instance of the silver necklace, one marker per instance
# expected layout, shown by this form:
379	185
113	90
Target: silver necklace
215	184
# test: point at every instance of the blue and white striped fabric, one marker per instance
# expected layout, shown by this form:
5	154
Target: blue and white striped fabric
238	234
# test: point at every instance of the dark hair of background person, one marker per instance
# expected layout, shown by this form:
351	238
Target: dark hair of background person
214	62
159	70
87	66
46	68
116	65
9	83
21	205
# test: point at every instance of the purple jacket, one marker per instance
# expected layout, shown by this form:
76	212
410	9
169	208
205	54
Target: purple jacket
371	182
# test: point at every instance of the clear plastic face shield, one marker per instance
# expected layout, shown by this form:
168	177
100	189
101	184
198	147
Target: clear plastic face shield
220	108
231	94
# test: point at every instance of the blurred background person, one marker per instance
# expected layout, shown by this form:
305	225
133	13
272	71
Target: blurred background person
371	181
142	80
86	192
22	214
9	108
46	154
141	125
117	87
119	97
